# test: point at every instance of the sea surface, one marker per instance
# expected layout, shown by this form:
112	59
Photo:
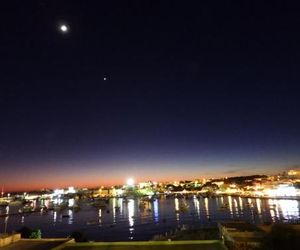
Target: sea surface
133	219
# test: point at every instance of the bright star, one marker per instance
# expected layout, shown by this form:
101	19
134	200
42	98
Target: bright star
64	28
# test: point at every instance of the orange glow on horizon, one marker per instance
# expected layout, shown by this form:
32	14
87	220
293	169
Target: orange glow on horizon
37	181
34	185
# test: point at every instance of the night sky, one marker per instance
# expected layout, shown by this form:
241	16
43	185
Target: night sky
160	90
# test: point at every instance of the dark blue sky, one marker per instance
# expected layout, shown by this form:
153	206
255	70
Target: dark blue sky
193	89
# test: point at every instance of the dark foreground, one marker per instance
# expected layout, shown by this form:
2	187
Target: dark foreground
34	245
146	245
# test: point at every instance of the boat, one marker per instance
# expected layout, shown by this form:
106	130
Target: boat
76	208
125	200
98	204
3	203
142	205
15	203
249	204
44	209
148	198
61	207
92	222
26	209
224	206
183	207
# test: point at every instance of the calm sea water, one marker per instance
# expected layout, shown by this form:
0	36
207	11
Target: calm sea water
134	222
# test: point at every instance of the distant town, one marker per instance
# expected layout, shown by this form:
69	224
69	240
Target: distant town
284	185
236	212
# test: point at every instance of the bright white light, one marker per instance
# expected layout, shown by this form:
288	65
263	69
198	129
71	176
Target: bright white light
71	202
289	208
71	190
119	192
64	28
285	190
130	182
282	190
58	192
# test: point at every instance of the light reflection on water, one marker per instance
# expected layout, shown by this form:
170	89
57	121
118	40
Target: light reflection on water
70	219
230	205
289	208
241	204
54	216
156	212
131	212
235	207
130	207
114	210
121	205
158	215
206	207
176	208
100	215
197	205
258	206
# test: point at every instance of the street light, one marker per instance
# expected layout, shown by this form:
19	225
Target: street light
130	182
